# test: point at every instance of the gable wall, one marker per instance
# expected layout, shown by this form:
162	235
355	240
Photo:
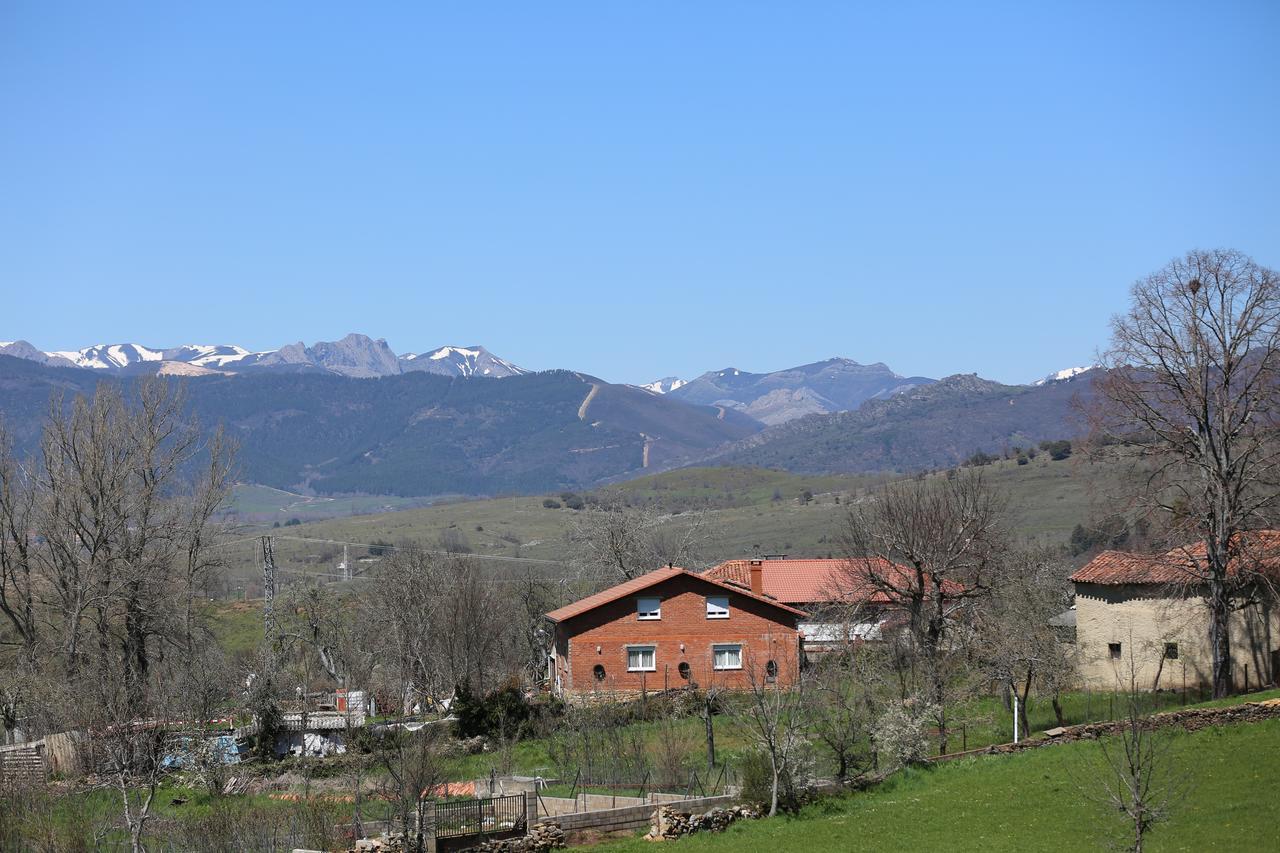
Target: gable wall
765	633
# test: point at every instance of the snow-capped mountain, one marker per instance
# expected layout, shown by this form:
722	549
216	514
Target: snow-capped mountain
355	355
1064	374
665	385
22	349
460	361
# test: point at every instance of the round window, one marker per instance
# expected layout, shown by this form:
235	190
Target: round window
684	670
598	672
771	669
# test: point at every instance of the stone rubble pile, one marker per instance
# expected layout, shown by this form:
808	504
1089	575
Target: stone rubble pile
669	824
541	838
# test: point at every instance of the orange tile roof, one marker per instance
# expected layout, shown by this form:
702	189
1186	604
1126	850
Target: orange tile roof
801	581
1179	565
637	584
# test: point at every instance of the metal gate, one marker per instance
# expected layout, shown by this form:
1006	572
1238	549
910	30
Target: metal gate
488	816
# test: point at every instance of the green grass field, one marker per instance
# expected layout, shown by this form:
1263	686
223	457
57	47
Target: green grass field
1036	800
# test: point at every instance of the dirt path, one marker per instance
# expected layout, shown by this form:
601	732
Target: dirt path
591	395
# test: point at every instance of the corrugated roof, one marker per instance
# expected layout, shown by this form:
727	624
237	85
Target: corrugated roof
1260	549
803	581
643	582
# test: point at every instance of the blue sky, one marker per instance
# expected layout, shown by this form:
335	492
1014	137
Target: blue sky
631	189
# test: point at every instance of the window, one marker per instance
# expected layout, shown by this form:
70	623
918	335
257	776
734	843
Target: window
1114	648
649	607
726	656
717	607
771	672
1171	651
641	659
684	670
598	672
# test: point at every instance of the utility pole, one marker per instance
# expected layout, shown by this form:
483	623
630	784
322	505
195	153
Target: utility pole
269	590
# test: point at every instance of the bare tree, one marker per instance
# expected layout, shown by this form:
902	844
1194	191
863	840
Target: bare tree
844	704
927	548
1019	646
414	766
772	716
1192	386
433	621
614	541
1139	779
104	537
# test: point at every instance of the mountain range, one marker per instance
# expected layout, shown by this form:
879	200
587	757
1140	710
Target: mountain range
357	356
415	433
306	418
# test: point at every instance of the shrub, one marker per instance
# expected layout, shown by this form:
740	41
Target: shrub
899	734
1057	450
551	503
503	712
755	775
574	502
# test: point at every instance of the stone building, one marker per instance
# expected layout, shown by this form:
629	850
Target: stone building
1151	611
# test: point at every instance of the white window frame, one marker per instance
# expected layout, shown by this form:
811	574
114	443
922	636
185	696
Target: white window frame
653	657
649	614
714	609
718	647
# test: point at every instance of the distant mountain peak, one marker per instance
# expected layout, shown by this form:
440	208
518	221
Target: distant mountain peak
1064	374
665	385
451	360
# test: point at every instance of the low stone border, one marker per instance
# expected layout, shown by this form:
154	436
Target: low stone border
1189	719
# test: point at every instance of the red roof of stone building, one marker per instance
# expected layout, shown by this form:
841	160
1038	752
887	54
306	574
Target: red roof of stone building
831	580
643	582
1261	549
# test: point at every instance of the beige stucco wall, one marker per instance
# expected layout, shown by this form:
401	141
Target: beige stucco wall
1143	619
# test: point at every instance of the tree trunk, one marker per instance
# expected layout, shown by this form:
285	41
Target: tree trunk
1220	636
773	804
711	736
1057	710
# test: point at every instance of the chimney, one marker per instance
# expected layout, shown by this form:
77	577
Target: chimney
757	577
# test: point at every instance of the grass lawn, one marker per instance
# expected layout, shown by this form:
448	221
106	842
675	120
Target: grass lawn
1035	801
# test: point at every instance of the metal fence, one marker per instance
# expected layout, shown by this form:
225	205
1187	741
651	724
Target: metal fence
487	816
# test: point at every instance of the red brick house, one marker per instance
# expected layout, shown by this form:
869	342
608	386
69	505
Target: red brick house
672	628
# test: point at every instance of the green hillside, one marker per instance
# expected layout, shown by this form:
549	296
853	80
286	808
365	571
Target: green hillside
1034	800
744	508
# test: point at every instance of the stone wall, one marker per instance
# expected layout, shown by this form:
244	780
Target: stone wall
1143	620
631	818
